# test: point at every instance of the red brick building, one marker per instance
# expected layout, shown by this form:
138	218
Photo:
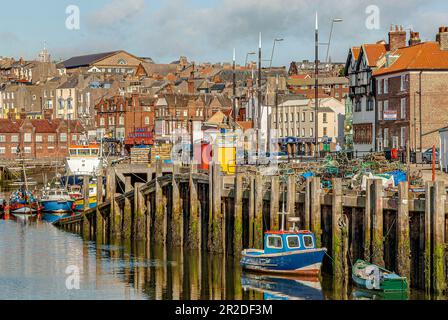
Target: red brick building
336	87
412	93
127	119
38	139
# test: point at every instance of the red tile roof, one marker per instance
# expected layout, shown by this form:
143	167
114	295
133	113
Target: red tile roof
9	126
424	56
356	51
373	52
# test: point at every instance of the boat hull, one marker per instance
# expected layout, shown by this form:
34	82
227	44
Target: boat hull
57	206
301	262
387	281
79	204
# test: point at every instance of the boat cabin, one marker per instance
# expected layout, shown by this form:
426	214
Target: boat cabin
284	241
92	150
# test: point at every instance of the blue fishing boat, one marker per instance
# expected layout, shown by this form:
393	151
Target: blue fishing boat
56	204
286	252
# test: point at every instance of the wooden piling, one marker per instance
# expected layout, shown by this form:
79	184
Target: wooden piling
291	198
429	203
177	216
238	214
438	228
140	212
403	236
86	196
316	220
274	205
377	224
217	235
99	221
307	222
160	217
194	228
258	219
251	211
368	220
127	210
336	227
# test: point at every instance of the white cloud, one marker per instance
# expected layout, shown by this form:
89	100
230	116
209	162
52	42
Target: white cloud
116	12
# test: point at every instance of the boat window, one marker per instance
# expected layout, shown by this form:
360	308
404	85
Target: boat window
95	152
73	152
83	152
308	242
275	242
293	242
52	193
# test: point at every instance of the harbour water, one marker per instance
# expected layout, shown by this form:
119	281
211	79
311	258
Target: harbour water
39	261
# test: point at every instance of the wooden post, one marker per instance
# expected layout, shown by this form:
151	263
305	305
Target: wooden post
367	220
291	199
316	210
403	236
429	203
238	214
99	222
258	219
177	238
307	222
127	211
438	227
274	206
194	228
251	211
160	217
336	219
86	196
217	243
377	223
140	212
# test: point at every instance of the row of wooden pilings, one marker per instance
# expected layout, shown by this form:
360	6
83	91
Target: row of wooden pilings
225	214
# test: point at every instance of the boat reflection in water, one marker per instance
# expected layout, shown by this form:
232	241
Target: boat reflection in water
361	294
283	288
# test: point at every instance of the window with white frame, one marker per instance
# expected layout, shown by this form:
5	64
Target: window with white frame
27	150
38	138
147	121
403	85
2	138
27	137
386	86
379	86
403	137
303	132
13	150
403	108
2	150
311	116
15	138
311	132
63	137
386	138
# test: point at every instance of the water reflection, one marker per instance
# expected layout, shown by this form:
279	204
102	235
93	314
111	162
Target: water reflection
283	288
34	258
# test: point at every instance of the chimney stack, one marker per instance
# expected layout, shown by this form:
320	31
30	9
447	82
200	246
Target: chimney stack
414	38
442	38
397	38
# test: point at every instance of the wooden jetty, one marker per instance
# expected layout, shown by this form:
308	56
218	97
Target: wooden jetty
183	206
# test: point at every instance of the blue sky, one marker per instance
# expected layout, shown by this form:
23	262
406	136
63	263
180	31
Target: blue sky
205	30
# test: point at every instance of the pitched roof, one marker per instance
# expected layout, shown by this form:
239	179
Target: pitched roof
373	52
87	60
9	126
424	56
355	52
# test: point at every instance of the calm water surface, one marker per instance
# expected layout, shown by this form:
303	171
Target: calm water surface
34	258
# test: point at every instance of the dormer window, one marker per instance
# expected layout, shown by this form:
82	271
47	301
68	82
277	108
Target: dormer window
121	62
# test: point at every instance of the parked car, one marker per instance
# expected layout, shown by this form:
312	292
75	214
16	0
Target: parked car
427	156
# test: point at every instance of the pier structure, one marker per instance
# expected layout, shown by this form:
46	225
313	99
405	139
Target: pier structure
185	206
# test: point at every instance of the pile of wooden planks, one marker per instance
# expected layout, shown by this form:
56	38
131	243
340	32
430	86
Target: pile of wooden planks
162	151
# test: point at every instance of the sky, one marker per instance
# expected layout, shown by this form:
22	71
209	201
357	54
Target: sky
208	30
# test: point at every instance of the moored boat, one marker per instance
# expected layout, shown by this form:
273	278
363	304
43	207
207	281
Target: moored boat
286	252
79	200
56	204
23	205
369	276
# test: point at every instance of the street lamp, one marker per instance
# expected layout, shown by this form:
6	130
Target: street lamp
333	21
273	48
247	56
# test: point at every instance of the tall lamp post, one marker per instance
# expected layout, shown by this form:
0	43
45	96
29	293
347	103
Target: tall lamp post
333	21
247	57
273	49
